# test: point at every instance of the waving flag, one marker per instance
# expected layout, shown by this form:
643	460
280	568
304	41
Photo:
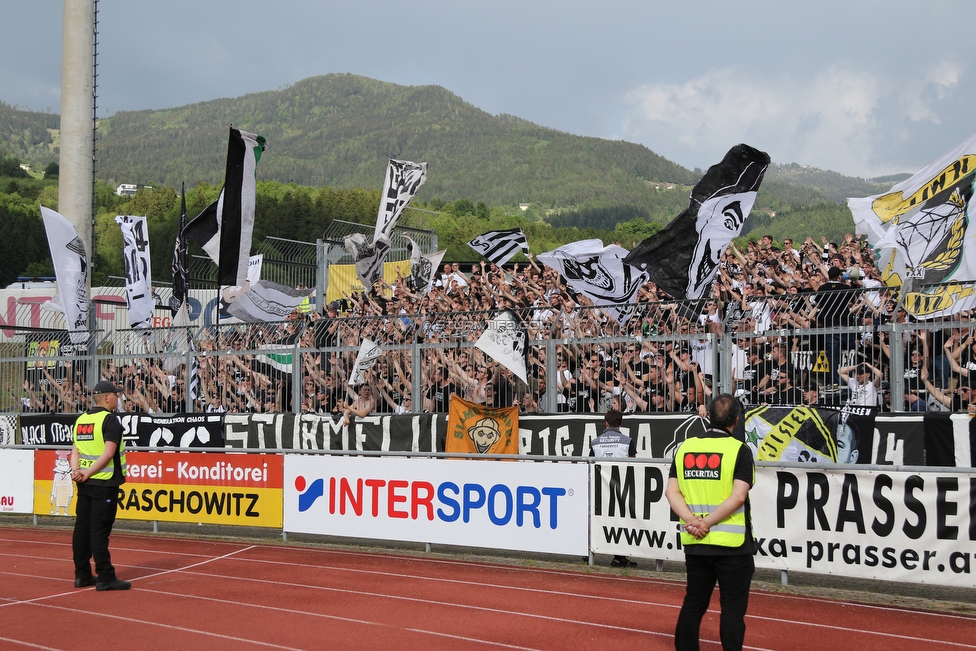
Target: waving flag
922	230
138	281
224	227
71	271
505	341
500	246
423	267
683	257
600	273
180	284
263	301
403	179
369	352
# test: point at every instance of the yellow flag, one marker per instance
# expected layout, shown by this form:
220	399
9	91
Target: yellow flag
473	428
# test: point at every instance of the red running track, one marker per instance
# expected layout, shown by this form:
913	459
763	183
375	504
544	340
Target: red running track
200	594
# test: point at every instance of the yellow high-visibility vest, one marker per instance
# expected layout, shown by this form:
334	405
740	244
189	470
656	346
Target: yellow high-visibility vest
90	442
705	475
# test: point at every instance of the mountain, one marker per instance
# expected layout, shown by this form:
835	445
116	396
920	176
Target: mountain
339	130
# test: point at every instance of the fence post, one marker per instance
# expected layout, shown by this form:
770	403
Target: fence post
321	275
721	363
551	369
896	366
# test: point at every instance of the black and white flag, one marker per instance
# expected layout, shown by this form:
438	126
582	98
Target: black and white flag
423	267
499	246
600	273
71	272
506	341
224	227
403	179
180	284
369	352
683	257
138	280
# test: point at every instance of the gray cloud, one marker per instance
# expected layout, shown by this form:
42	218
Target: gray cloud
863	87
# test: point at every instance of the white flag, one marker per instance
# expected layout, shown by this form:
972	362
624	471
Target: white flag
600	273
138	280
71	270
505	341
423	267
262	301
369	352
922	230
178	340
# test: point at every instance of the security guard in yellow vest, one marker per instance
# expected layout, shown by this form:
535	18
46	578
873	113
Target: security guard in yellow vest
708	489
98	466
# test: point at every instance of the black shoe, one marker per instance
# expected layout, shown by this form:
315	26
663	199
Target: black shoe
116	584
623	562
85	582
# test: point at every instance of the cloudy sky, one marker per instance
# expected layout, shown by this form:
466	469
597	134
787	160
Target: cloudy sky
863	87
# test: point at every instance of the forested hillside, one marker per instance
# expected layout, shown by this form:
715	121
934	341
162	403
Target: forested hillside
328	142
339	130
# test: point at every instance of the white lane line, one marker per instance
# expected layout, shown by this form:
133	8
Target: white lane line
148	576
429	602
129	620
29	645
349	620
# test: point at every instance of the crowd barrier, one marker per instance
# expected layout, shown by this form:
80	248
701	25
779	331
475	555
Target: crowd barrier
877	522
577	361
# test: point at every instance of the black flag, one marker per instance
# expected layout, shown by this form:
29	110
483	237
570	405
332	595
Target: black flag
683	257
179	259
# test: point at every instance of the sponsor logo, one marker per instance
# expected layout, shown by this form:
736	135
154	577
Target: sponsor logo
702	465
448	502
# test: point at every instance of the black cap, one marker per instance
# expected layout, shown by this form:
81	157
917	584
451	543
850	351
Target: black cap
105	387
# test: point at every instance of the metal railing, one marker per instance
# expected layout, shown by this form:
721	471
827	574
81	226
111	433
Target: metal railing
669	356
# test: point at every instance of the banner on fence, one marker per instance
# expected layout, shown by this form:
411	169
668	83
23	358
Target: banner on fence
895	440
893	526
232	489
178	431
406	433
8	429
456	502
54	492
46	429
17	481
193	487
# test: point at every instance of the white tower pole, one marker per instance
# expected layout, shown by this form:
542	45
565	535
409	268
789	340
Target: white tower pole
76	165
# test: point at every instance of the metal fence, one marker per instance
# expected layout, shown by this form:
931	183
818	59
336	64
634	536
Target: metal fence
669	357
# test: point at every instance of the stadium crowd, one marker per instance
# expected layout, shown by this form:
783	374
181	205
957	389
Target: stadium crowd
765	298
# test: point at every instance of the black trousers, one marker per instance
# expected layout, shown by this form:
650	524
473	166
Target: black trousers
95	511
734	576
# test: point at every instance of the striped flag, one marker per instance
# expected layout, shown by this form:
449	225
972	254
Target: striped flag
500	246
193	381
224	227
